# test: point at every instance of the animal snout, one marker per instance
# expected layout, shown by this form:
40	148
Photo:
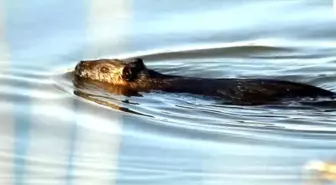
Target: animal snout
83	63
79	66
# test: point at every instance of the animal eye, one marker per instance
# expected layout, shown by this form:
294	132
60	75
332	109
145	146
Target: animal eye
104	69
127	74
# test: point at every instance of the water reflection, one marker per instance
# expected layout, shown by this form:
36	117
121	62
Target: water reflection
49	136
95	98
321	172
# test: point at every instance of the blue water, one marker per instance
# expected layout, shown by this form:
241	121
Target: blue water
50	135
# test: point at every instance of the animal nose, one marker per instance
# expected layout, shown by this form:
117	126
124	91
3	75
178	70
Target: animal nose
82	63
79	65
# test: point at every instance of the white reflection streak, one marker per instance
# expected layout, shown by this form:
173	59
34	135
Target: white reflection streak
334	7
96	152
107	27
6	124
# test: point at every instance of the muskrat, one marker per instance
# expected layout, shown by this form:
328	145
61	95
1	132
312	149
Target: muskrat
134	76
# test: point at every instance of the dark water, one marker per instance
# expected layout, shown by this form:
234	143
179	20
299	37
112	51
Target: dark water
52	135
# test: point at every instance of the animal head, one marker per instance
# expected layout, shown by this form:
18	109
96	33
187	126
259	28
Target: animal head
111	71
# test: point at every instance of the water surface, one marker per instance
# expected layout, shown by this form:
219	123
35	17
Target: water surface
52	135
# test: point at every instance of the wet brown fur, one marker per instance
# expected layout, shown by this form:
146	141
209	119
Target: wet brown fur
135	76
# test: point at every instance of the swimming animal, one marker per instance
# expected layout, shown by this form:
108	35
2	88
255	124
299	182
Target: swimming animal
134	76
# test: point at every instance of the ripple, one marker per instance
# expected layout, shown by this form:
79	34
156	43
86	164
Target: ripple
199	113
266	144
233	49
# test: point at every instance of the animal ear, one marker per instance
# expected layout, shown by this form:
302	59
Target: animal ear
137	64
132	69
